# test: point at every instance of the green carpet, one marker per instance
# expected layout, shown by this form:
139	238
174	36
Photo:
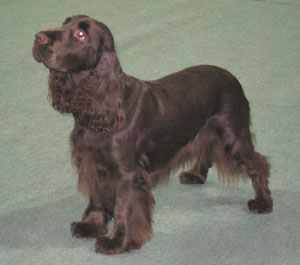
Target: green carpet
258	41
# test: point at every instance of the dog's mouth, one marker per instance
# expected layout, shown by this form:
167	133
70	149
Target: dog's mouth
45	54
36	54
42	53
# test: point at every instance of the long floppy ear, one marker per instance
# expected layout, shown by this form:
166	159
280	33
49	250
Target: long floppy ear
98	104
103	90
61	91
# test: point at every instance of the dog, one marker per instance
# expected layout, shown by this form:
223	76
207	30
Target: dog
129	134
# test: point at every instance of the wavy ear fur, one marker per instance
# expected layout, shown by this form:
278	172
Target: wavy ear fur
61	91
103	93
104	111
94	97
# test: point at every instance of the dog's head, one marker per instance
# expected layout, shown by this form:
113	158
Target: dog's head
85	72
74	47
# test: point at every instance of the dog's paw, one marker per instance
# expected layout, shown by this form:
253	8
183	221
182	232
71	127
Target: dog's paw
109	246
190	178
86	230
260	206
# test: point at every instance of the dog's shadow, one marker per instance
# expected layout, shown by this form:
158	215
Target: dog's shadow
49	224
42	226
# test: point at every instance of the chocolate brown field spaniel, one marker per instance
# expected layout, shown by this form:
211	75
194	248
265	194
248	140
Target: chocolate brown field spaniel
129	134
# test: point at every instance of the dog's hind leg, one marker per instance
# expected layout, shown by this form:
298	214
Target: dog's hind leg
202	149
198	174
258	170
244	159
234	155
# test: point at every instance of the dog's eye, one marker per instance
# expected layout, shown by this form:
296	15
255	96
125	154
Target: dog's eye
80	34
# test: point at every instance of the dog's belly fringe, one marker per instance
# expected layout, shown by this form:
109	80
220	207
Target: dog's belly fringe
182	159
229	171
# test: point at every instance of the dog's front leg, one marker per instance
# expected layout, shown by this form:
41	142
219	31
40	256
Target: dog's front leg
132	216
94	221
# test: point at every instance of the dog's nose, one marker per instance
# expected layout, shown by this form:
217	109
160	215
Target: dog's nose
41	38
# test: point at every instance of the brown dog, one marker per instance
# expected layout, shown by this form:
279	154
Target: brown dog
130	133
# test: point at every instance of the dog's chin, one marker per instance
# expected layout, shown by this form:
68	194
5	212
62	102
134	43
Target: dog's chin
56	69
52	67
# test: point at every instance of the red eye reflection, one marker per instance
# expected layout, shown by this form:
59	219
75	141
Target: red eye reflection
80	35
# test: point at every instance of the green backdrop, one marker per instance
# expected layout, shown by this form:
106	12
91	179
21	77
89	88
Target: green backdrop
258	41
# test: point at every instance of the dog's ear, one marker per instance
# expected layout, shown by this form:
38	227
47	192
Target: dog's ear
99	104
60	92
105	41
107	59
105	112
